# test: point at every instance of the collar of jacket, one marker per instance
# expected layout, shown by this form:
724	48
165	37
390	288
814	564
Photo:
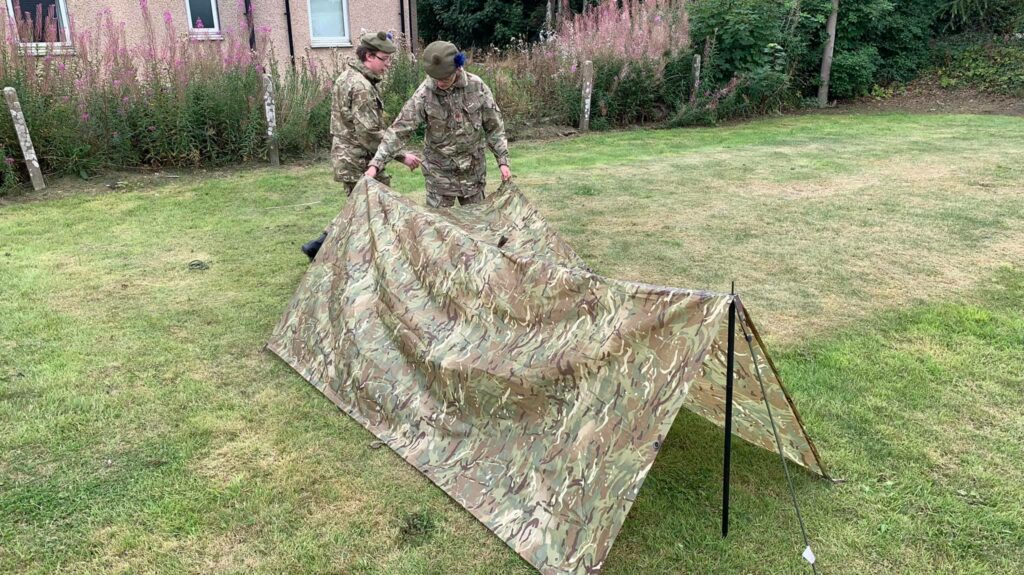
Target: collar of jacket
358	66
461	81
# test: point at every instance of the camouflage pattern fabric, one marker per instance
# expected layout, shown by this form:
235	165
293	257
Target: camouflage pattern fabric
437	201
460	122
357	122
535	393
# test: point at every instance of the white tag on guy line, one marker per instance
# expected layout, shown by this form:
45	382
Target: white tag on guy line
808	555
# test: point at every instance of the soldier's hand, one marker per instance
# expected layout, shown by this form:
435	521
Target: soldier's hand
506	173
371	172
411	161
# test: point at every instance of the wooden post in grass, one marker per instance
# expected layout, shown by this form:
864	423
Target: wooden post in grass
696	78
588	89
24	139
268	105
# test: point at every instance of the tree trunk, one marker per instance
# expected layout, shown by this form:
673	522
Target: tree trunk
826	60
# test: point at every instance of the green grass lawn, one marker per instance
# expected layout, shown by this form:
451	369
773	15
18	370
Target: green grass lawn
142	429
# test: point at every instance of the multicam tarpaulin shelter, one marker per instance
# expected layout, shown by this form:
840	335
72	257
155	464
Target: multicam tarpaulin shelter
477	345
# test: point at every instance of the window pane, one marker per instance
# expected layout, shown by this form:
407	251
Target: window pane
202	13
327	17
39	21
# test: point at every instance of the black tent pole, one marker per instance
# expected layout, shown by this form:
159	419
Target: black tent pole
730	355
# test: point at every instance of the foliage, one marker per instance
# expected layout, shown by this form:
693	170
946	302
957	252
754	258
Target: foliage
169	101
739	30
994	64
401	81
853	72
996	16
480	23
626	29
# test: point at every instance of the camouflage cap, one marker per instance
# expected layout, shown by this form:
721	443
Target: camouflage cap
378	41
439	59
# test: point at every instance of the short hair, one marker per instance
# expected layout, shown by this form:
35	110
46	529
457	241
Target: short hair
362	52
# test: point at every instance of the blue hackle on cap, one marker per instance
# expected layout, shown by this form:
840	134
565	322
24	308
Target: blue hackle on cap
460	59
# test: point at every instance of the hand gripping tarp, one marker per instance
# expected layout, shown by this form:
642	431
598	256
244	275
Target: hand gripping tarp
534	392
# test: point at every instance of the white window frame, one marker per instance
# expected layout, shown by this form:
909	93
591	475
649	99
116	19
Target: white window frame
44	48
207	32
330	41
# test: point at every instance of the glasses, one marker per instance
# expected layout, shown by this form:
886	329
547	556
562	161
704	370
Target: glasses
386	60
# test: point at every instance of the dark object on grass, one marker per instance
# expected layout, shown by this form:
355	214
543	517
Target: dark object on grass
311	248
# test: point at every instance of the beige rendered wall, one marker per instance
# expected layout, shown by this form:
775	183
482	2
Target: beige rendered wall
268	18
363	16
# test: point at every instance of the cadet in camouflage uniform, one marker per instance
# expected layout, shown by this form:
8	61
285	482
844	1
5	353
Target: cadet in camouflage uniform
357	117
461	117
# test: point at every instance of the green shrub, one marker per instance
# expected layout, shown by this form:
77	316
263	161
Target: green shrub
853	73
402	80
739	31
677	79
990	63
763	91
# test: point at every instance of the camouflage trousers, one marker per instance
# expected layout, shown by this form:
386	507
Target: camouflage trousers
435	200
382	177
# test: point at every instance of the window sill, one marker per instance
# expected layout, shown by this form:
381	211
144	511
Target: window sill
328	44
45	49
202	36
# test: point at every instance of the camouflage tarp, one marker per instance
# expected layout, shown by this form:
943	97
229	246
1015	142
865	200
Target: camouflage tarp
534	392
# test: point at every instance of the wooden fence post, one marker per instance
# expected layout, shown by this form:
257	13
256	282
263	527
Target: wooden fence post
588	88
24	139
696	78
268	105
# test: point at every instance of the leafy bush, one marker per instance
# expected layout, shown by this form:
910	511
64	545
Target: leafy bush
480	23
853	73
677	79
994	64
739	30
401	81
995	16
761	92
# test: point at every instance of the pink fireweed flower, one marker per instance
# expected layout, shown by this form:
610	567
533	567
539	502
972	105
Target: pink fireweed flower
9	161
85	117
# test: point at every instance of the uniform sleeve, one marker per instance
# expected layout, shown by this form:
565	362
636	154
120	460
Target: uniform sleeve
366	117
494	127
338	95
395	137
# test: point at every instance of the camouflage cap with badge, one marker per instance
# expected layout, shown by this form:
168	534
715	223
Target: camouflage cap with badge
378	41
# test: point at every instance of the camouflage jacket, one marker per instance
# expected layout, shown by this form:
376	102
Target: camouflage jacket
460	121
357	121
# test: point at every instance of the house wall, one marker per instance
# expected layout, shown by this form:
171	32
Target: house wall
268	18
